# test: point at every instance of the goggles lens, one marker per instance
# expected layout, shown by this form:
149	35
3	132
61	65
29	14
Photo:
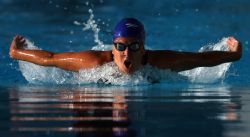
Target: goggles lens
133	47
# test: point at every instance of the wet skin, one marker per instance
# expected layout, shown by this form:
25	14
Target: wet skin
127	61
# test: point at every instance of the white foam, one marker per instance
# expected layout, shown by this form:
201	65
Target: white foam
110	74
105	74
209	74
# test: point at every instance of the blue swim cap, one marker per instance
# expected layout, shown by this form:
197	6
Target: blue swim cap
129	27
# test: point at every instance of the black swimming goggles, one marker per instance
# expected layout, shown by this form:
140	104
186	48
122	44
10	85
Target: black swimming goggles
132	47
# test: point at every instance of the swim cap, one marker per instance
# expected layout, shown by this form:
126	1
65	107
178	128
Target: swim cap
129	27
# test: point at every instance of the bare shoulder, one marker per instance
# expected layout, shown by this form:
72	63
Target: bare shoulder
165	59
80	60
154	55
103	56
89	56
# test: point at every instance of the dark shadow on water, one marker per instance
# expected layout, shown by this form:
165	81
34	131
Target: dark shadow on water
117	112
64	112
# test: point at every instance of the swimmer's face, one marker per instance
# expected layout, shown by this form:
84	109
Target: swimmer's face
128	54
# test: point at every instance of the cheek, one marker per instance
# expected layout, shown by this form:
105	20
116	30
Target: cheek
117	57
138	57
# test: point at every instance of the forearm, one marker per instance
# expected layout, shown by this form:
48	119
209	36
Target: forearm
73	61
39	57
180	61
217	57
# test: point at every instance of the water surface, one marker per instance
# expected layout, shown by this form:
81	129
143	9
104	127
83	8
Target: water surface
171	108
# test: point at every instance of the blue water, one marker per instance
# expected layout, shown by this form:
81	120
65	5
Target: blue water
171	108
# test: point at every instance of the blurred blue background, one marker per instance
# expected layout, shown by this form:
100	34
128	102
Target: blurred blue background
184	25
158	110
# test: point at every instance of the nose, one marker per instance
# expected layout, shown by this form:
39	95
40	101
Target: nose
127	52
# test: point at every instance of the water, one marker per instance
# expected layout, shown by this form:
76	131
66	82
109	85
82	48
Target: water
37	101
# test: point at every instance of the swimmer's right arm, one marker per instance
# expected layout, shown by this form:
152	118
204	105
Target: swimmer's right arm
73	61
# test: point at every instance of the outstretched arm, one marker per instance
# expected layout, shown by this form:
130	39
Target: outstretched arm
180	61
73	61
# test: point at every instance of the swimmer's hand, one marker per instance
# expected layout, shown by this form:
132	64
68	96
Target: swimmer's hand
17	43
234	47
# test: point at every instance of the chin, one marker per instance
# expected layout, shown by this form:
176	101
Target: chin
128	70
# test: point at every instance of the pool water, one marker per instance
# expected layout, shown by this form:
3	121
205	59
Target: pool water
119	111
37	101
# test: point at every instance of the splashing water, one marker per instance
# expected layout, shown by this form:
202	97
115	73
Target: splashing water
38	74
209	74
105	74
91	24
110	74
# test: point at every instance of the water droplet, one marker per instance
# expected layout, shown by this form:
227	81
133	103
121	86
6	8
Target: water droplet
77	23
90	11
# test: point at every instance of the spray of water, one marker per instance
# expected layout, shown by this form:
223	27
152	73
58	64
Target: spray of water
209	74
110	74
92	25
39	74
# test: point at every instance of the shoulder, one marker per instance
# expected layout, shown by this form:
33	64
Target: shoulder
94	53
164	59
158	54
102	56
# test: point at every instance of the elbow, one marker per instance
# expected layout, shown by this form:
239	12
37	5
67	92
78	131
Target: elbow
14	54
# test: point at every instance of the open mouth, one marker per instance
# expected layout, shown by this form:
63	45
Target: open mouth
127	63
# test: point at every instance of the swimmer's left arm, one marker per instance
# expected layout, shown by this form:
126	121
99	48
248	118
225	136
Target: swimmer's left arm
180	61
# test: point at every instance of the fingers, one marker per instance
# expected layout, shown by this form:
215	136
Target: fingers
19	38
232	41
233	44
20	41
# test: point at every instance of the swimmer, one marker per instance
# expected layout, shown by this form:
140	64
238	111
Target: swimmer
128	53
